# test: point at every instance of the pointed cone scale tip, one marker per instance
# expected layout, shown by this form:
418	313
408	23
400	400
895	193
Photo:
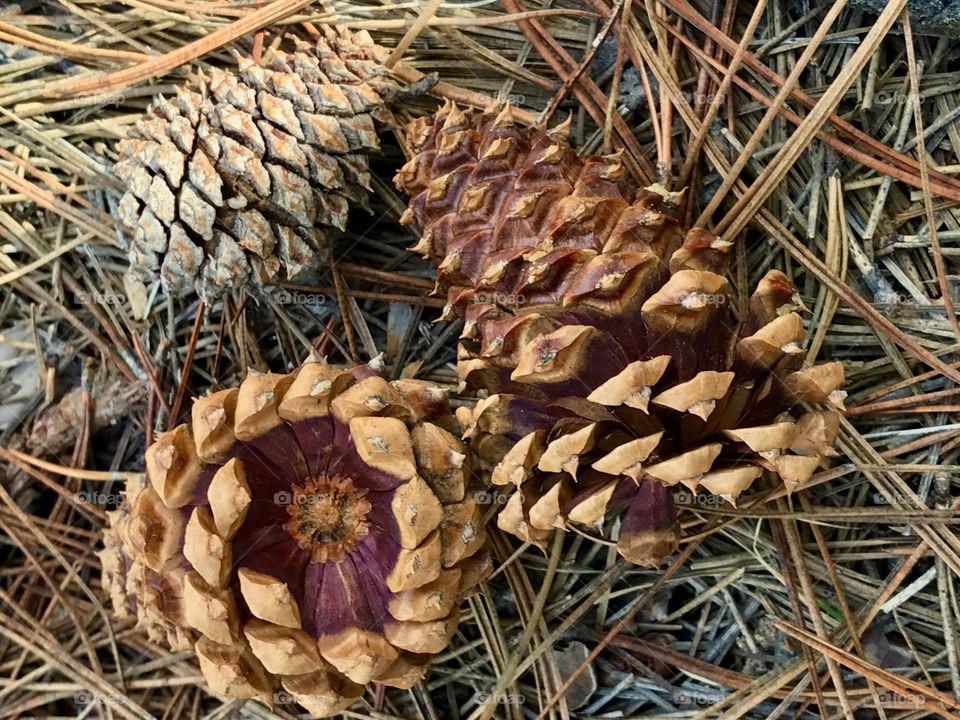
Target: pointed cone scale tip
455	118
561	131
504	117
493	106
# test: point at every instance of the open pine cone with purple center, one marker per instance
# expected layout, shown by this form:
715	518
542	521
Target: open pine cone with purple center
313	532
607	338
239	179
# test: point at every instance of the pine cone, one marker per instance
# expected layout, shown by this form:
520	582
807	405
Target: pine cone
608	336
238	179
312	531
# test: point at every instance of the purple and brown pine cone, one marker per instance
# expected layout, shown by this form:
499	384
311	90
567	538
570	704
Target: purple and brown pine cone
606	337
239	179
313	532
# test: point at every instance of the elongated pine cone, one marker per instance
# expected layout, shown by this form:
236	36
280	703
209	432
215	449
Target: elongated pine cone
313	531
239	178
607	337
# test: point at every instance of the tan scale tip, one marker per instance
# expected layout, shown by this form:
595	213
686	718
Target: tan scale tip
203	547
516	465
361	655
545	513
782	336
561	131
307	396
593	508
323	693
407	670
210	610
384	443
817	432
632	386
686	302
687	468
417	566
154	532
563	454
795	470
441	458
416	510
429	602
650	547
231	669
422	637
697	396
282	650
730	482
269	598
627	458
818	384
173	466
764	438
504	118
258	401
213	424
229	497
554	357
462	532
511	519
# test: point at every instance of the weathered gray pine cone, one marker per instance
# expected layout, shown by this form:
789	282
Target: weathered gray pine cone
239	179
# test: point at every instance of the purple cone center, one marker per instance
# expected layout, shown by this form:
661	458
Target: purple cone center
320	520
328	517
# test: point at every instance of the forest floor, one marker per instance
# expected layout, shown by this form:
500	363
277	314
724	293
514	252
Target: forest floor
823	141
